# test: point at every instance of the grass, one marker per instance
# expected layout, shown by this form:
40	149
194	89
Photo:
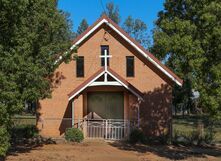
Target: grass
188	124
24	120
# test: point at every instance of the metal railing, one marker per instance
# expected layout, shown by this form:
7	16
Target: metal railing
110	129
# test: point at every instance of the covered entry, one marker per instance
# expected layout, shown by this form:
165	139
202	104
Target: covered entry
105	105
105	113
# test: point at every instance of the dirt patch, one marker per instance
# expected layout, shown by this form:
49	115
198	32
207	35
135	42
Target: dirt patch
110	151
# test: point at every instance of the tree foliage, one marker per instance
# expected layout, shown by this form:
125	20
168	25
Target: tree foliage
4	140
188	38
112	11
32	34
137	29
82	27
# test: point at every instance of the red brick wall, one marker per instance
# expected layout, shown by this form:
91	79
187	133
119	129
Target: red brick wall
148	79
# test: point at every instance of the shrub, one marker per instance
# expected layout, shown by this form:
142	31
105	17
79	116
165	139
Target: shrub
4	141
136	136
74	134
162	139
24	131
192	137
209	137
185	137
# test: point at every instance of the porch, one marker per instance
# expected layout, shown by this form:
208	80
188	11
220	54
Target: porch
105	105
106	112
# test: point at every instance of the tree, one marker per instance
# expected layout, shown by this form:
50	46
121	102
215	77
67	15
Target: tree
82	27
112	12
128	25
137	29
32	33
188	37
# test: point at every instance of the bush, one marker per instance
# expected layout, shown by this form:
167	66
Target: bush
192	137
136	136
184	137
209	137
74	134
161	139
210	133
24	131
4	141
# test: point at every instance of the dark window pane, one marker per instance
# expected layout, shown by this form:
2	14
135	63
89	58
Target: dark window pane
130	66
80	66
103	48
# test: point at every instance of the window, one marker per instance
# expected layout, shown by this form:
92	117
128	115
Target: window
80	66
103	48
130	66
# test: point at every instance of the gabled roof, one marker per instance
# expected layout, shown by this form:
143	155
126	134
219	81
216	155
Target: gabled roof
97	75
147	55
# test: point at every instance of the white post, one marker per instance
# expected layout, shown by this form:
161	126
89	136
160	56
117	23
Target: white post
105	77
72	110
106	129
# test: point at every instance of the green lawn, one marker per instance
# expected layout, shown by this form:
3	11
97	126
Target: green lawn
190	123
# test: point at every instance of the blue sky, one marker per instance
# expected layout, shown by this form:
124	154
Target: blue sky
146	10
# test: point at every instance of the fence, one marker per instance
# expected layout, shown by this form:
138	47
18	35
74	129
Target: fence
118	129
109	129
24	120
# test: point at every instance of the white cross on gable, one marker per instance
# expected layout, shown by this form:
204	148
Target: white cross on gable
105	56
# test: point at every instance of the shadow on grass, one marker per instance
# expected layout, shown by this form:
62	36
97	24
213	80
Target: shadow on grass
170	151
26	145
